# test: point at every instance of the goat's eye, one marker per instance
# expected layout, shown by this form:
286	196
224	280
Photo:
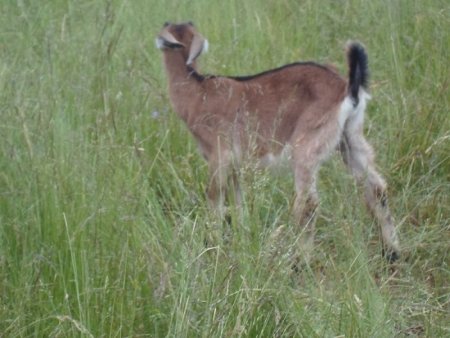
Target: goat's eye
191	23
167	23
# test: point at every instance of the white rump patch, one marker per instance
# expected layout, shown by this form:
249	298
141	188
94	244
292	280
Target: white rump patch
347	109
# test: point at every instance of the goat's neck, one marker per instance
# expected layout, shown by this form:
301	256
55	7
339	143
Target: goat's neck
181	83
176	68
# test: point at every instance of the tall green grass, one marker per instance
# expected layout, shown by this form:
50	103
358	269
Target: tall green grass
103	218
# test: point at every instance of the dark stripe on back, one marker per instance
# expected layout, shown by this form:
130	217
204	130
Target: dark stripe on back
201	78
267	72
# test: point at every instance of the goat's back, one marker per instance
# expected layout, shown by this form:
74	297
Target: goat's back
273	104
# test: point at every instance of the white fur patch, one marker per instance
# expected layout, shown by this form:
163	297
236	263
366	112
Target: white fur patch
159	42
356	114
345	111
205	46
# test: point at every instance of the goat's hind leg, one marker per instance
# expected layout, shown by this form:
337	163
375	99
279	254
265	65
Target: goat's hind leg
305	207
358	156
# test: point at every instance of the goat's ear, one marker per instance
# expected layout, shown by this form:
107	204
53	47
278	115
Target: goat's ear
169	39
198	45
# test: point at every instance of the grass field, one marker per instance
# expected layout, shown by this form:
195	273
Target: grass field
103	217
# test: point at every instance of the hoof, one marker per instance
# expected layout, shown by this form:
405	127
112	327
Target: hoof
297	268
227	219
391	256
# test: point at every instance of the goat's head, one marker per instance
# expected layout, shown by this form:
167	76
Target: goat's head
182	38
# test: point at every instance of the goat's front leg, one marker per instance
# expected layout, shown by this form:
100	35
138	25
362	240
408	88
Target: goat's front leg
222	174
296	242
358	156
217	188
216	192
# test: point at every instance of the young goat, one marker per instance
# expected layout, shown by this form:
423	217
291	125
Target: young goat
306	109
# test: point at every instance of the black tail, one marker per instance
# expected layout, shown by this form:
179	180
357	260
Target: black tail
358	65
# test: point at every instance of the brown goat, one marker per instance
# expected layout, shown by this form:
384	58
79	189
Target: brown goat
303	109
